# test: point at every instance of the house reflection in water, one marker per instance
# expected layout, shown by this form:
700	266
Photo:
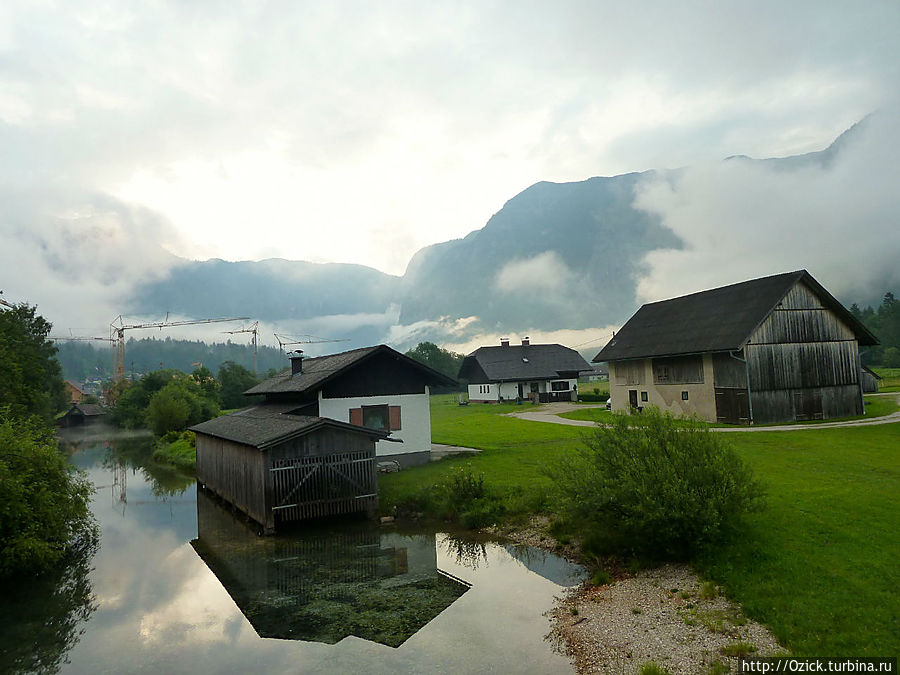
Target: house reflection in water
325	585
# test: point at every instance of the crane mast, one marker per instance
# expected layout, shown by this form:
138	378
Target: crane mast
254	328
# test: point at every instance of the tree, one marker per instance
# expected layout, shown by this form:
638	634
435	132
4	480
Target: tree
30	377
178	405
234	380
656	486
44	501
437	358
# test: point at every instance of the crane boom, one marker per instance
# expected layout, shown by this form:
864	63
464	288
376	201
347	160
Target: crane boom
253	329
117	334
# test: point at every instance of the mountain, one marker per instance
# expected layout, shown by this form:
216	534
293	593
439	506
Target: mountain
556	256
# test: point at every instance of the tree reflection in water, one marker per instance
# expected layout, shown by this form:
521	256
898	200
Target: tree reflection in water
468	552
43	617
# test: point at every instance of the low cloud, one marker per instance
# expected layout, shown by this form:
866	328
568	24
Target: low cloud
78	254
741	219
546	271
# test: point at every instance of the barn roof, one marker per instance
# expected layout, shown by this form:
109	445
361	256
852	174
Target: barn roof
265	425
319	370
513	363
87	409
717	320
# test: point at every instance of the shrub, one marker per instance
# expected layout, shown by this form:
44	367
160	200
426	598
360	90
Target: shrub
653	485
44	501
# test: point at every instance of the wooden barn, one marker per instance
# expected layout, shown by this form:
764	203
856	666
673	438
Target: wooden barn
81	414
277	466
870	380
775	349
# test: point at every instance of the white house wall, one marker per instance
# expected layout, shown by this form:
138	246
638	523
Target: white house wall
415	420
509	391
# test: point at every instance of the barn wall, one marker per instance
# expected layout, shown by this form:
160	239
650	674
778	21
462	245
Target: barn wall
729	372
235	472
803	363
638	375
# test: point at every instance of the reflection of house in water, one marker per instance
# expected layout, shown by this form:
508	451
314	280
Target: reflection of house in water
325	585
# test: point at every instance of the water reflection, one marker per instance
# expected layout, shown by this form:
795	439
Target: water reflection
325	585
151	604
42	619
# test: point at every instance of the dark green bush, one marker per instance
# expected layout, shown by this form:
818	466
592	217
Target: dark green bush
655	486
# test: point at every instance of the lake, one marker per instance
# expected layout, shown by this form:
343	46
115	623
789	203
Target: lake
181	583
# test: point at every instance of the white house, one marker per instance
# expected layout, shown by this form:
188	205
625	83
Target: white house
542	373
375	387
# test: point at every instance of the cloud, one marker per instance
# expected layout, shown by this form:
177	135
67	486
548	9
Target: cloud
741	219
78	254
545	271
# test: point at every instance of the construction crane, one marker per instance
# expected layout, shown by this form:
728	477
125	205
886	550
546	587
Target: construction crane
284	340
254	328
117	334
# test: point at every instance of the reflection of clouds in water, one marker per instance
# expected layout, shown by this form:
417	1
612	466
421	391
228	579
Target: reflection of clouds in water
197	612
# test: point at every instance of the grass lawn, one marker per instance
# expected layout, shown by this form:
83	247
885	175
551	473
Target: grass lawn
819	565
891	379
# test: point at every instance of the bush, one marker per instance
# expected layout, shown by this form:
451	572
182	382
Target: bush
44	501
655	486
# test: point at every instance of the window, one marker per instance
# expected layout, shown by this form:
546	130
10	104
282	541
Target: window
680	370
376	417
684	396
383	417
559	385
629	372
644	396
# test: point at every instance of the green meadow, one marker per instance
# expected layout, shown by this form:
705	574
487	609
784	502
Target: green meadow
820	564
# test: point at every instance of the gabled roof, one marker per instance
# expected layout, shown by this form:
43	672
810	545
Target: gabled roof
265	425
75	386
87	409
319	370
872	373
717	320
521	362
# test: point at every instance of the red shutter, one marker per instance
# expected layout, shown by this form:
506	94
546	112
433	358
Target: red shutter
395	417
356	416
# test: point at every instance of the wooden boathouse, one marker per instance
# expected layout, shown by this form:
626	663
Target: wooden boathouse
774	349
277	466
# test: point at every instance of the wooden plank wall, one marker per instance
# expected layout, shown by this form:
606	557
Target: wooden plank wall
803	355
235	472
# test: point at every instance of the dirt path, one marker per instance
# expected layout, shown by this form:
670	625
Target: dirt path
550	412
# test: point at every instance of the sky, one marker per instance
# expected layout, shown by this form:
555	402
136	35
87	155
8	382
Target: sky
132	134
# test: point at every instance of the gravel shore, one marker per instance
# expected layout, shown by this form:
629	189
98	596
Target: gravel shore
665	615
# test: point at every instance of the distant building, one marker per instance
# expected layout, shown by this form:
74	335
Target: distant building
600	373
75	393
774	349
542	373
870	380
81	414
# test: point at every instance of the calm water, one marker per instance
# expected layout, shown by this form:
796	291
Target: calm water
179	584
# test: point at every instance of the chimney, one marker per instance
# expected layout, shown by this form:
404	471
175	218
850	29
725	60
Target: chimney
296	358
504	342
526	341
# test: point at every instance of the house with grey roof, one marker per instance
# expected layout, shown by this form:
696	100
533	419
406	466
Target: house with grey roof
373	387
542	373
774	349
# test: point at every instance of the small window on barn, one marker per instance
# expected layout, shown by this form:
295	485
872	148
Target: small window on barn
684	396
644	396
559	385
376	417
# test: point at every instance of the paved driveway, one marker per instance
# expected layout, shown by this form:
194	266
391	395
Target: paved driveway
549	412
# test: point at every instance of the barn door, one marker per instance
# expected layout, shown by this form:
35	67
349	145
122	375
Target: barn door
732	406
309	487
808	405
